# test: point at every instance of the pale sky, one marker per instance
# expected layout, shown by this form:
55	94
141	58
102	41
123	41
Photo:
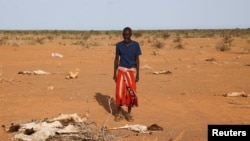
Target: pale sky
116	14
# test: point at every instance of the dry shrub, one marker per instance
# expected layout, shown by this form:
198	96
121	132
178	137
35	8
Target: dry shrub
247	50
165	35
39	40
158	44
225	44
178	42
3	40
137	34
222	47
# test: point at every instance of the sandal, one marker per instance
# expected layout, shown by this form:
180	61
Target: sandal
129	118
118	117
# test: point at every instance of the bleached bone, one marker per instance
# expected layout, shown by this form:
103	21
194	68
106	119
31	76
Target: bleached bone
146	67
54	54
49	128
40	72
36	72
25	72
74	117
235	94
73	74
162	72
136	127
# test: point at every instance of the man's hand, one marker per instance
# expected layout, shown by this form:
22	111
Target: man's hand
136	78
114	78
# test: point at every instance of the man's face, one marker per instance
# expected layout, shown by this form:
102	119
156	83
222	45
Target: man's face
127	35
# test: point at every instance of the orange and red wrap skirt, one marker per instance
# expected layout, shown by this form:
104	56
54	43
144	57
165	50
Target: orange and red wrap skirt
126	87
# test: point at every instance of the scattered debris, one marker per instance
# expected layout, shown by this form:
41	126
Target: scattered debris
36	72
25	72
155	127
65	124
50	88
146	67
210	59
69	117
12	128
71	127
236	94
136	127
162	72
156	52
54	54
40	72
72	74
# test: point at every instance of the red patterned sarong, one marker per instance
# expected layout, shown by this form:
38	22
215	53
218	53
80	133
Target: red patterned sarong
126	87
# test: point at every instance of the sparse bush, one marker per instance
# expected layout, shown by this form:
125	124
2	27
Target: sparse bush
141	42
165	35
40	40
179	46
2	41
222	47
158	44
137	34
225	44
247	50
50	37
178	42
227	39
81	43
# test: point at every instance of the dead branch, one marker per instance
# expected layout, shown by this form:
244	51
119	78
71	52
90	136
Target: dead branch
104	124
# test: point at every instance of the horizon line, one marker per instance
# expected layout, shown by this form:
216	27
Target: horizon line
121	29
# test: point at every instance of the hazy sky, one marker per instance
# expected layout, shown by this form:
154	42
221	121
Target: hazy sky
116	14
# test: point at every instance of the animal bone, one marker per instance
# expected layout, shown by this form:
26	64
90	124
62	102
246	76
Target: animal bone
234	94
37	130
162	72
73	74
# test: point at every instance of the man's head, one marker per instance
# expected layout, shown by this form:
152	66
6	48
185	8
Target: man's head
127	33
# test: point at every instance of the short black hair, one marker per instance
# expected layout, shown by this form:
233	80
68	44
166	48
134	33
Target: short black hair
127	28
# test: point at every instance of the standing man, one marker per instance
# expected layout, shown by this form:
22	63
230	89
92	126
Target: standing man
126	74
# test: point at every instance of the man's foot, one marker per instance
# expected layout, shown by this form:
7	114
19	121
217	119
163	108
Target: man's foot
129	118
118	117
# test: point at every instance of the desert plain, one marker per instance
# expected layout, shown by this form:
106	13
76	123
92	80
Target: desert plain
183	102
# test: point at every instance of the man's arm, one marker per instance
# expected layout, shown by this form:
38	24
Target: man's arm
137	69
116	61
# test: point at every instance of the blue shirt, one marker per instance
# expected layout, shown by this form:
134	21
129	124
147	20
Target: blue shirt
128	53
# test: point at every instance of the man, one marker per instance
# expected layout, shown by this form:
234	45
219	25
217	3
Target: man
126	73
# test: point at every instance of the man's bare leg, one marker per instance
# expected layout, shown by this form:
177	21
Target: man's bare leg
118	116
129	116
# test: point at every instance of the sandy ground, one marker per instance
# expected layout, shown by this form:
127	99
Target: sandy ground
183	102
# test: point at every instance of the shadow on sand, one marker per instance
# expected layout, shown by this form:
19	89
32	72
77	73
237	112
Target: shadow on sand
107	102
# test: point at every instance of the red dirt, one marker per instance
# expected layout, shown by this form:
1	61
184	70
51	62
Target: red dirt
183	102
